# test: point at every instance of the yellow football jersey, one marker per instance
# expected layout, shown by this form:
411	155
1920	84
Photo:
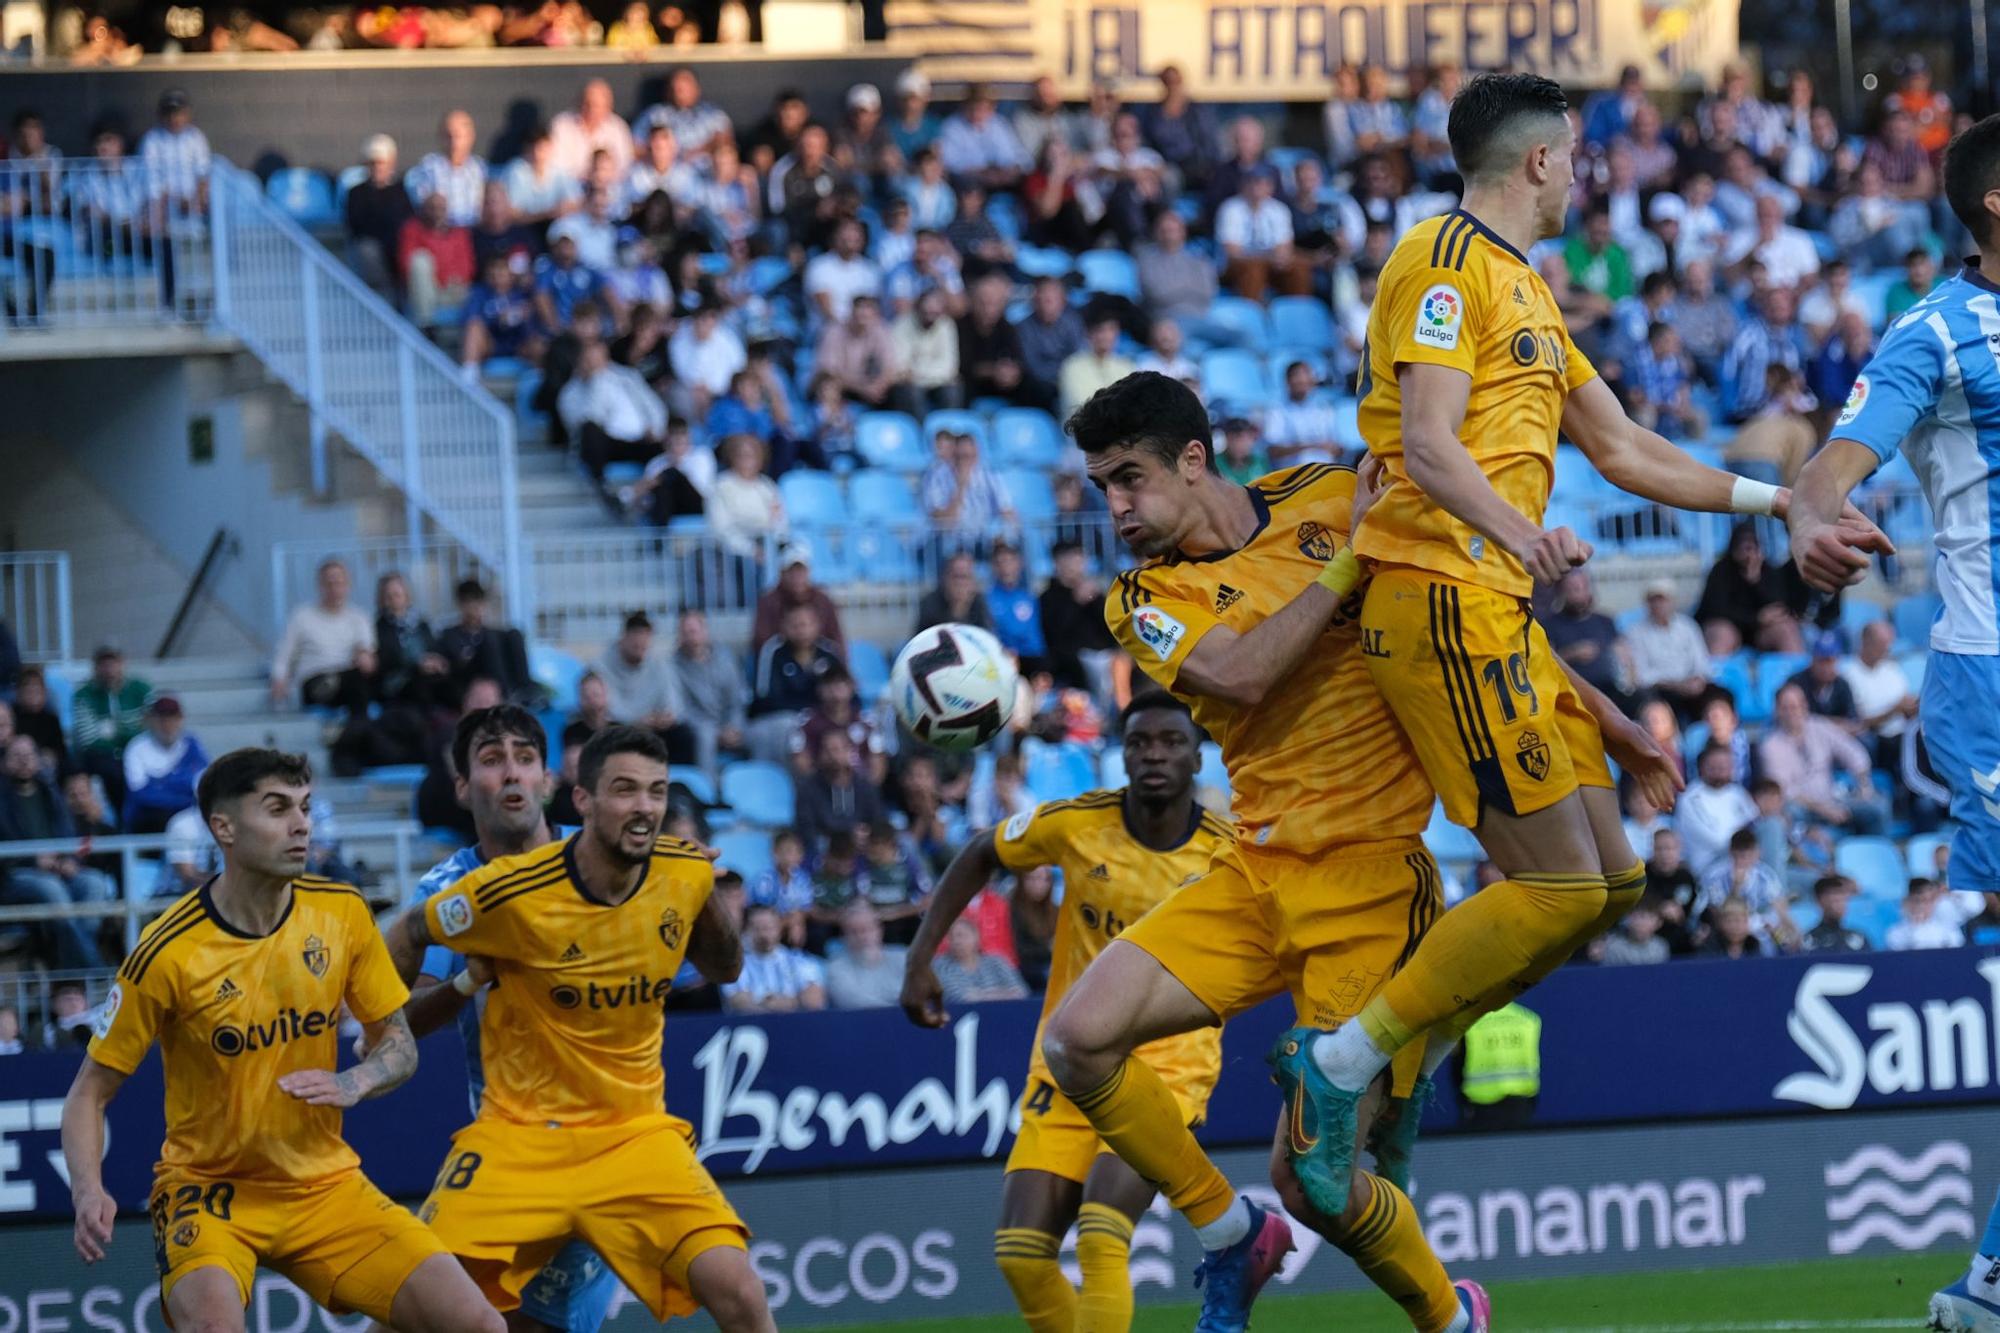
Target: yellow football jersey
571	1029
1454	294
233	1012
1320	760
1110	880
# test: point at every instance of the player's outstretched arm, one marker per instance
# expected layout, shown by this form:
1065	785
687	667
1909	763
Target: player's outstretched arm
1434	399
83	1155
391	1059
1823	545
1630	745
407	940
970	871
714	945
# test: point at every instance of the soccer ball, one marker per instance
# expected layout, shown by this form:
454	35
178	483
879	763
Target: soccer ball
953	686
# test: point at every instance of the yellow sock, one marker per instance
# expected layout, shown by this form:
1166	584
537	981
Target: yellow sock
1104	1251
1387	1244
1027	1259
1135	1113
1486	943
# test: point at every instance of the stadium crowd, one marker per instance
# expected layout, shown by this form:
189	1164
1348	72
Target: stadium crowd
749	332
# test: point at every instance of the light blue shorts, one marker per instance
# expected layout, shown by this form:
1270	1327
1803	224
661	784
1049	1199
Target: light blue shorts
1961	717
573	1291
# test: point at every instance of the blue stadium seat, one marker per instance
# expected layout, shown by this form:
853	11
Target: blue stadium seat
1302	320
1059	771
1111	767
759	792
1244	317
697	781
1773	670
1921	853
1914	666
1876	865
1037	262
768	273
879	553
1576	480
1110	271
1236	378
557	672
891	440
812	499
746	851
959	422
1913	617
1347	423
62	696
1034	498
1025	437
1733	673
1873	917
1872	291
1856	614
305	195
869	667
875	496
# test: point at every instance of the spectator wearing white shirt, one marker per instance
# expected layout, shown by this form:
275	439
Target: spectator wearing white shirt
1095	365
593	230
706	355
835	278
1743	874
175	154
660	171
1788	255
927	345
744	507
1254	229
610	411
1669	654
539	190
977	144
1930	920
774	979
869	975
328	648
1833	297
1883	700
1711	811
457	173
1163	354
697	125
592	127
1302	428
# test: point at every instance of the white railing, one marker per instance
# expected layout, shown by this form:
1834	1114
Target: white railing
365	373
94	243
35	604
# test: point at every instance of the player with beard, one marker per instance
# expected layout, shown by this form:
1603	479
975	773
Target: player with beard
572	1140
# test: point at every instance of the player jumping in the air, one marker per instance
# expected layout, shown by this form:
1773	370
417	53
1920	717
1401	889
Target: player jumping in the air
241	982
1468	375
1932	391
1243	607
572	1140
1120	853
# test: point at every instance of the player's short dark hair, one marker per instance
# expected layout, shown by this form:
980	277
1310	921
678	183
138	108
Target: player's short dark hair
1153	701
1145	410
236	774
614	740
1490	113
500	722
1971	168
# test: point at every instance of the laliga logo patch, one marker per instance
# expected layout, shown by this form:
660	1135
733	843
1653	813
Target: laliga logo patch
1439	316
108	1011
1158	630
1857	398
455	915
1012	830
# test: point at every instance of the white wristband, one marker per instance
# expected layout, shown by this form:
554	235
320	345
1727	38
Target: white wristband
462	982
1752	497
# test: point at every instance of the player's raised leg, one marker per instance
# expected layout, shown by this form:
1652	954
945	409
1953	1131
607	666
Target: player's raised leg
1036	1209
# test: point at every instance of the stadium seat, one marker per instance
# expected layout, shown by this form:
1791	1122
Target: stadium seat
1876	865
1037	262
812	499
959	422
869	667
1733	673
1914	666
1873	917
878	552
1856	614
1773	670
1243	317
1058	771
875	496
1236	378
759	792
1913	616
1034	498
768	273
746	851
1025	437
1111	767
699	784
1110	271
1302	320
623	474
557	672
890	440
1920	854
305	195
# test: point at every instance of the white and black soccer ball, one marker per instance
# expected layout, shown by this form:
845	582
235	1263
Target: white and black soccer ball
953	686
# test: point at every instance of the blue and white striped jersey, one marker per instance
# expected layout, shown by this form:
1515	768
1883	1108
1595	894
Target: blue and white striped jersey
1932	391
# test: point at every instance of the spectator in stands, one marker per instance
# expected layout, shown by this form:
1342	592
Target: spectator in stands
1135	181
1731	935
1748	593
327	649
1919	276
175	155
593	709
1180	129
1883	700
1073	621
1016	611
933	203
593	126
1929	920
1772	338
861	355
1174	283
913	128
1254	231
1838	364
1669	655
611	413
595	232
966	500
411	668
777	134
106	712
457	173
500	318
1597	263
644	687
1303	428
786	681
745	507
1671	885
957	598
796	588
989	347
1049	336
1832	934
32	810
1164	354
1705	318
836	796
1830	299
925	343
660	170
1588	639
676	482
774	979
715	696
1095	365
1042	118
479	649
1064	203
697	125
1659	384
500	232
564	285
434	263
864	147
834	279
1743	874
785	887
1827	692
931	265
1242	459
970	976
1905	165
1637	938
837	709
375	210
162	764
1788	255
31	716
894	881
866	974
976	144
810	191
1801	754
10	1017
1246	156
706	355
1712	810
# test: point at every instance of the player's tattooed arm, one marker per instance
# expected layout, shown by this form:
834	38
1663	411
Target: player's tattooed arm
391	1059
83	1155
433	1004
970	871
714	945
407	940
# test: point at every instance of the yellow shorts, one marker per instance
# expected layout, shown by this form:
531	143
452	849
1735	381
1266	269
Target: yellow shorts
348	1245
1057	1138
509	1196
1472	679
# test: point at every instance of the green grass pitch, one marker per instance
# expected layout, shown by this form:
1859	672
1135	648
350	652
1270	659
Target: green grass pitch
1824	1297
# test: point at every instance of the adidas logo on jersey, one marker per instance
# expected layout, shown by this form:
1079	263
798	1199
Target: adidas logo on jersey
1519	297
1099	871
228	990
1226	596
571	954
